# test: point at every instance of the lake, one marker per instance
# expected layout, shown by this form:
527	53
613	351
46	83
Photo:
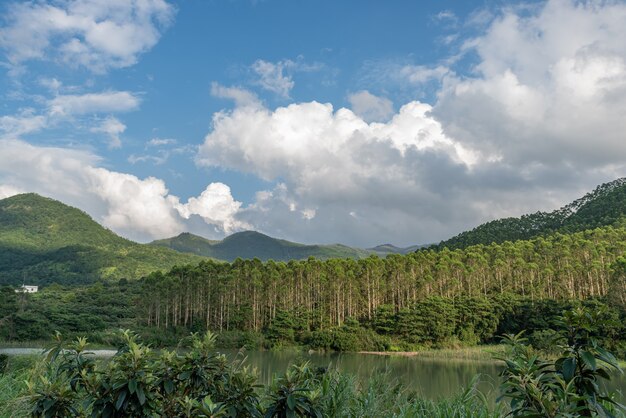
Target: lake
432	378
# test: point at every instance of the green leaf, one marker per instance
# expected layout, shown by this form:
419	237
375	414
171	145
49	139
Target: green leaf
132	386
169	386
141	395
291	402
589	359
569	368
120	400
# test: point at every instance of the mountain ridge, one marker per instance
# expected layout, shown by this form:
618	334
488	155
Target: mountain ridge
45	241
253	244
603	206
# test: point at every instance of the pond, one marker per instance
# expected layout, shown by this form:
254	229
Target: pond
432	378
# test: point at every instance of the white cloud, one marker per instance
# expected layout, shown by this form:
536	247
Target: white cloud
216	206
545	94
539	122
277	77
159	142
8	191
105	102
113	128
141	209
272	77
370	107
98	35
241	97
333	163
420	74
23	123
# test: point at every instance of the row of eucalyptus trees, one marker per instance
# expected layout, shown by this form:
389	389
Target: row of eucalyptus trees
247	294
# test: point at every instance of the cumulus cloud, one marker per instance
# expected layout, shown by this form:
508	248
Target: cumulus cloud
141	209
105	102
98	35
538	123
370	107
545	94
332	163
216	206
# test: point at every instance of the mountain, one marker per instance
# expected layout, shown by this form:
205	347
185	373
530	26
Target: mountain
44	241
386	249
604	206
251	244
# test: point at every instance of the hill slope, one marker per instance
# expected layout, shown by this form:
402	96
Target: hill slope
251	244
44	241
604	206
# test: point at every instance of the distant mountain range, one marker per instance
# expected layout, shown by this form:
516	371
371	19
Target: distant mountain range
251	244
44	241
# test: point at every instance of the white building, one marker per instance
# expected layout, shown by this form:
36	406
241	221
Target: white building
27	289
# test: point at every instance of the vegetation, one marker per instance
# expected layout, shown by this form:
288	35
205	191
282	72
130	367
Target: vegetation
199	382
251	244
567	386
202	383
605	206
426	298
43	241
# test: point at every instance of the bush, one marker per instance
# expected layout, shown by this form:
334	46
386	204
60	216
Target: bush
567	386
546	340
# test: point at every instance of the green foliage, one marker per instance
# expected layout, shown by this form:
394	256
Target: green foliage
567	386
290	395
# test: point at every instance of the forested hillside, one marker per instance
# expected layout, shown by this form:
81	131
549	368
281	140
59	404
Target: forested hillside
44	241
251	244
606	205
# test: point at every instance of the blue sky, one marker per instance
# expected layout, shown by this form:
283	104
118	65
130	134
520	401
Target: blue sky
359	122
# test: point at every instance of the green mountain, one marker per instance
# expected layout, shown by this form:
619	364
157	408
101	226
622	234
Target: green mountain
606	205
251	244
386	249
45	241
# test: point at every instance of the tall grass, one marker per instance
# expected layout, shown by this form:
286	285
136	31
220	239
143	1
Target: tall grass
13	386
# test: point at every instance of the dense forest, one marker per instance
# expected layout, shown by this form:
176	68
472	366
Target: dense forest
248	294
428	298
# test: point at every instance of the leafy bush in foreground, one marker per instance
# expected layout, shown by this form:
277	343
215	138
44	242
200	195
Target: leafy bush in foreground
138	382
565	387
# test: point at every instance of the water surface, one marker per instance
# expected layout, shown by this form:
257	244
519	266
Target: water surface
432	378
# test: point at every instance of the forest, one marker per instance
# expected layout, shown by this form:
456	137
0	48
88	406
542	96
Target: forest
428	298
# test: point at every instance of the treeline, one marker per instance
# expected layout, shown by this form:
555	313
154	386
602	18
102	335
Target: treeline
247	295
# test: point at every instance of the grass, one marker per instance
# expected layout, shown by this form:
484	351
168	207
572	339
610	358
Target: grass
12	386
476	353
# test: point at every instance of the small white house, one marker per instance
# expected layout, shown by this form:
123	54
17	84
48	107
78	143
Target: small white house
27	289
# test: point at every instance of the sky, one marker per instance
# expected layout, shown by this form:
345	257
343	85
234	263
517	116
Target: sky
354	122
